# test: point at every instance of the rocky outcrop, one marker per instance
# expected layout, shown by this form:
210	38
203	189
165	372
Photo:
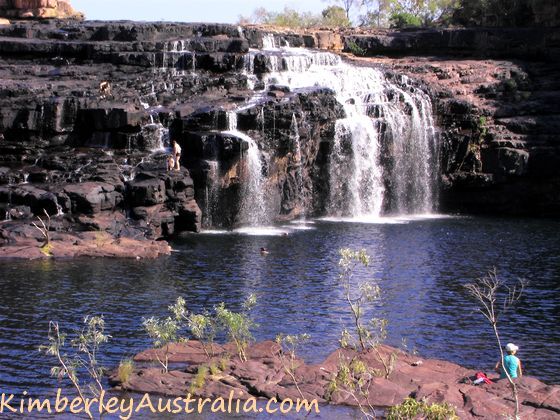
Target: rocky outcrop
265	375
479	43
38	9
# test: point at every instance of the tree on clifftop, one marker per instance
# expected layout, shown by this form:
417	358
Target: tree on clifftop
405	13
347	5
335	16
494	12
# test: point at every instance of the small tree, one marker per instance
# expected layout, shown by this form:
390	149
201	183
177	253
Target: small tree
162	332
45	232
203	327
335	16
237	325
81	355
346	5
367	335
288	346
495	298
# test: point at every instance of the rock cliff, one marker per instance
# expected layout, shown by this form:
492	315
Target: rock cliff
88	111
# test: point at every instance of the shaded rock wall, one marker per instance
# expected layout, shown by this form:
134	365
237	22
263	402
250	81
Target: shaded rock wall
493	43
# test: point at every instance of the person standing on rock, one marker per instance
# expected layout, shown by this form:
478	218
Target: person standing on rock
512	364
177	155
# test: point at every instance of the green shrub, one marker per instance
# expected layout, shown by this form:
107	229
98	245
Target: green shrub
404	20
355	48
411	409
126	367
335	16
162	332
214	369
200	378
237	325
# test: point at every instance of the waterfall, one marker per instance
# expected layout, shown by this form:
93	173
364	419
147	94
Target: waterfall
297	162
253	208
386	121
211	192
383	158
356	185
268	42
155	136
59	210
175	54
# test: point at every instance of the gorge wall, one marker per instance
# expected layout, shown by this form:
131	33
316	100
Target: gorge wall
88	110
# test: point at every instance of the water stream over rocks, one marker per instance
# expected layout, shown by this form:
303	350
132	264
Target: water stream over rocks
384	154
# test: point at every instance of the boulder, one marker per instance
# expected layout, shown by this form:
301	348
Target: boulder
146	192
92	197
328	40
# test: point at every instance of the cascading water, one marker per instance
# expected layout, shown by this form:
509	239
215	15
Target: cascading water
59	210
383	117
356	184
253	209
155	136
383	158
297	163
211	192
178	57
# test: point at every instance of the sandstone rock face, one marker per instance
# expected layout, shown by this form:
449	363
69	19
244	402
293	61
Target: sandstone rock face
38	9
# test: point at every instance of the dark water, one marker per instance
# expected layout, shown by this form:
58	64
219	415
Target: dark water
421	267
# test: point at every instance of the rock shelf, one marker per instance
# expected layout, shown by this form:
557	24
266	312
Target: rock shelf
264	376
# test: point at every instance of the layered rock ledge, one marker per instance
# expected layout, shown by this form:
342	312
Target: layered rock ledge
264	375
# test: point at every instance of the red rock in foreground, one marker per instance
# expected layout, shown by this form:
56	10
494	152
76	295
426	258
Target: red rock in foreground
264	375
86	244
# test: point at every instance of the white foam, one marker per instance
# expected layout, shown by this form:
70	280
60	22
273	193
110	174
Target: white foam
300	227
386	220
372	220
215	232
303	222
262	231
